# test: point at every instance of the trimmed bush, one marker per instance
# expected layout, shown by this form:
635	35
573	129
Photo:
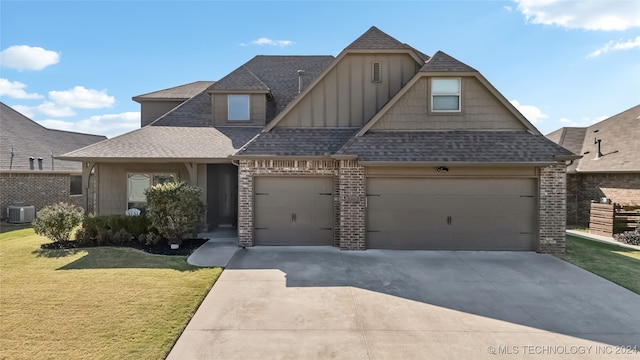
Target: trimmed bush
57	221
174	208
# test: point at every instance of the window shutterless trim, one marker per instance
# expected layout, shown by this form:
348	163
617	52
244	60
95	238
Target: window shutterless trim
248	98
458	94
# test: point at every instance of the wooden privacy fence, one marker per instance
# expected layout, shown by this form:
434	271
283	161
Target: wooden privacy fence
609	219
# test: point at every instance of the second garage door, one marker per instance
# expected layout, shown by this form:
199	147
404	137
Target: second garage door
451	214
293	211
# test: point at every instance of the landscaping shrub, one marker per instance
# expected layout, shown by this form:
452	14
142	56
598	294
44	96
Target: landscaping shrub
57	221
174	208
112	229
629	237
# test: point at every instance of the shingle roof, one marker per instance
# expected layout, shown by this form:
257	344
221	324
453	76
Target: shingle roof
28	138
441	62
453	146
570	138
169	143
619	143
375	38
241	78
195	112
298	142
182	92
279	74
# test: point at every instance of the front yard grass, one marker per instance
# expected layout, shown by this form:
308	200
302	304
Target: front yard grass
94	303
614	263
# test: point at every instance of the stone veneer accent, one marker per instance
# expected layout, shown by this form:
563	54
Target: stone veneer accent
248	169
553	210
40	190
352	206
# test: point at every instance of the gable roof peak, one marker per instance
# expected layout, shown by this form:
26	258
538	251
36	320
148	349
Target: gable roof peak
376	39
443	62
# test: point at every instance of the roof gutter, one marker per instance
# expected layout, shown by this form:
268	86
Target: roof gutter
453	163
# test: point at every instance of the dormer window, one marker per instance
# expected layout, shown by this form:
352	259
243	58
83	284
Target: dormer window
238	108
445	94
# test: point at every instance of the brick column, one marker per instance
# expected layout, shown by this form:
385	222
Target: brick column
352	206
245	203
553	209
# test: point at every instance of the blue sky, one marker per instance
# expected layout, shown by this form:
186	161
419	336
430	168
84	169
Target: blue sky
75	65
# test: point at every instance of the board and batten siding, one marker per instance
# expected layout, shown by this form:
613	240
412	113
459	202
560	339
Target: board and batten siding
258	110
480	110
112	182
347	97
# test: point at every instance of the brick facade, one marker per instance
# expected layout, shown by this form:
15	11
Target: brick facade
350	199
249	169
621	188
352	206
39	190
553	210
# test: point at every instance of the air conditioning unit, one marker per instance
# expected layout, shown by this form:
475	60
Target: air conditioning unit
21	214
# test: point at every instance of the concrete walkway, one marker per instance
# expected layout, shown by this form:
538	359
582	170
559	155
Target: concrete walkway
602	239
218	251
323	303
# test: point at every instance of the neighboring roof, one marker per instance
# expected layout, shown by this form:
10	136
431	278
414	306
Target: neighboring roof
570	138
619	143
506	147
182	92
441	62
277	74
298	142
169	143
30	139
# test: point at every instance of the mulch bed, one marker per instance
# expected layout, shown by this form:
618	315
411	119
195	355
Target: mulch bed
187	247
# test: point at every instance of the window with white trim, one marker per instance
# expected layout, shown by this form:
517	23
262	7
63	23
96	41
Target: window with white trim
238	108
137	183
445	94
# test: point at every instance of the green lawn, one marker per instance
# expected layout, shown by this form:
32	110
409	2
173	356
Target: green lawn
96	303
614	263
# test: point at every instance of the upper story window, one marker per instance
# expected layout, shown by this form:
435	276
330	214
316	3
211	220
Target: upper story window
445	94
238	107
376	72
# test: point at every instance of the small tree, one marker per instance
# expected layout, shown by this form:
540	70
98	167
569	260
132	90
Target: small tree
57	221
174	209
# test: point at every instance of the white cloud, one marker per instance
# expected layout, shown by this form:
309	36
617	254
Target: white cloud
583	122
15	89
614	46
52	109
109	124
24	57
80	97
24	110
532	113
584	14
267	41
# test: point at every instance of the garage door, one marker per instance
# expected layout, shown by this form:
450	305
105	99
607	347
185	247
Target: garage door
451	214
293	211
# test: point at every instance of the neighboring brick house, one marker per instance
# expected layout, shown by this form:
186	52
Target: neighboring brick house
380	147
29	172
609	167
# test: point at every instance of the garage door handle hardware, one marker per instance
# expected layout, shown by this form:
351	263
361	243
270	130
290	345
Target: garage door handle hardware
526	233
326	228
448	220
325	194
373	230
262	193
529	196
259	228
293	217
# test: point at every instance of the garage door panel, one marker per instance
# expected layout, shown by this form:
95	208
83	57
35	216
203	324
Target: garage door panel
456	214
293	211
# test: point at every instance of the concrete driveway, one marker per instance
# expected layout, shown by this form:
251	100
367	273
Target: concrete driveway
323	303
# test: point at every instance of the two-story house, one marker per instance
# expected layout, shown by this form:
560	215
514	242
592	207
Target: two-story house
379	147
